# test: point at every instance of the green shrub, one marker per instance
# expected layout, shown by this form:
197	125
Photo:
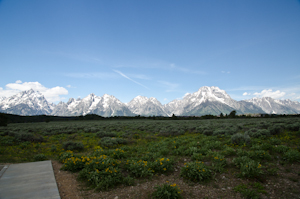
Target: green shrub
258	133
259	155
228	151
276	129
121	141
240	139
264	125
219	163
217	145
127	135
139	168
40	157
251	169
275	141
98	151
103	172
266	146
104	179
256	147
7	141
118	154
108	142
197	156
281	148
252	130
248	167
162	165
292	156
196	171
111	142
24	136
246	192
208	132
73	164
170	132
73	146
219	132
102	134
232	130
293	127
64	155
191	150
167	191
25	145
53	148
241	160
150	156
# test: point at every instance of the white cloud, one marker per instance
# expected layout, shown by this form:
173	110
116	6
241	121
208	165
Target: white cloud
69	86
245	93
165	99
225	72
51	94
269	93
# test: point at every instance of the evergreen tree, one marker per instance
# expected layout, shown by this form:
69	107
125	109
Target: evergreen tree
3	120
232	114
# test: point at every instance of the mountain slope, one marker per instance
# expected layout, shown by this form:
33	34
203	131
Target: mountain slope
141	105
26	103
105	106
271	106
209	100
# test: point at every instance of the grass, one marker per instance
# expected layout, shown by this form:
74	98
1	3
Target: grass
122	153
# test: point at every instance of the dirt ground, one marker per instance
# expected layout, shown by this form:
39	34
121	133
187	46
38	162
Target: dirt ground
286	185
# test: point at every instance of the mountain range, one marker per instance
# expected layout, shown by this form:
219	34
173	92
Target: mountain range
207	100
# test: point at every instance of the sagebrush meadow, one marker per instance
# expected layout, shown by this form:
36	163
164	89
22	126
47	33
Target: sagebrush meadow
116	153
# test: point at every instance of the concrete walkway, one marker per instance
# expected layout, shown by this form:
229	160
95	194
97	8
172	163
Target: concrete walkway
28	180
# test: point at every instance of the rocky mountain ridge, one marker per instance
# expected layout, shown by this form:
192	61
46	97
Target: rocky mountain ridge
207	100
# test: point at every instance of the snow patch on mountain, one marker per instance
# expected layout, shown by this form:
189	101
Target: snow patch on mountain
272	106
142	105
207	100
33	101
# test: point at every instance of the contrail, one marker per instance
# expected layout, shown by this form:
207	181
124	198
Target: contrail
131	79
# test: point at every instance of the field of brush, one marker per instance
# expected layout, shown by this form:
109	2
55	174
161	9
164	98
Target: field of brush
247	158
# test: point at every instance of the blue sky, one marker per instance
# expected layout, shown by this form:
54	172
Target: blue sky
162	49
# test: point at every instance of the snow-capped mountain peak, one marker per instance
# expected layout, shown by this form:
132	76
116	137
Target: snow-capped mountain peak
27	102
206	100
142	105
274	106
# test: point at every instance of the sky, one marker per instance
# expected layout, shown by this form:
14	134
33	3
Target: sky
162	49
